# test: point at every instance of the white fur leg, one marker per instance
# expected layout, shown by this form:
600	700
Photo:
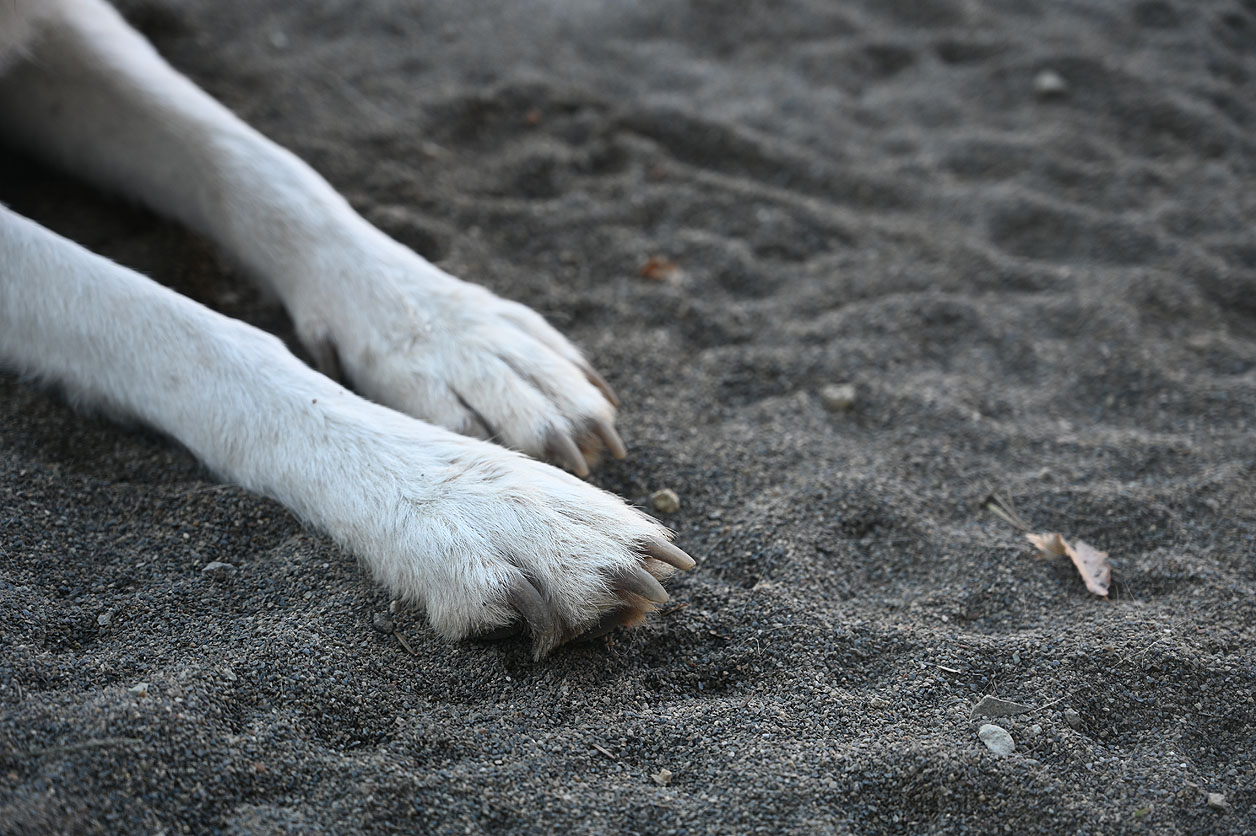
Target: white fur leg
95	96
410	336
454	524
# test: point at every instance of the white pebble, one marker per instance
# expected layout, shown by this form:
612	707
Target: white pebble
838	397
997	739
1050	83
665	501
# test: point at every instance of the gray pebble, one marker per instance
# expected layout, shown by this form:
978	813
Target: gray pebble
382	623
1049	83
991	706
663	777
1216	800
105	618
139	689
1073	718
997	739
665	501
838	397
218	569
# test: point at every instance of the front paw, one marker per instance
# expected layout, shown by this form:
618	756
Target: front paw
409	336
490	542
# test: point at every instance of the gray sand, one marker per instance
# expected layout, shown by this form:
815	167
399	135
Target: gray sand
1047	292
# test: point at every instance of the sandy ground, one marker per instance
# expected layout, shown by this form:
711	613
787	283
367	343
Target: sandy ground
1044	286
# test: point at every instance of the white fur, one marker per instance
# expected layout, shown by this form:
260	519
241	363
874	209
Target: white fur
444	520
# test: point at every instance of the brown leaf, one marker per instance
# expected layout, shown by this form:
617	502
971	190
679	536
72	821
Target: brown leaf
658	268
1052	545
1091	563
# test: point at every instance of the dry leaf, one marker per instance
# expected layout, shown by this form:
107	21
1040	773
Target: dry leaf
1091	563
658	268
1093	566
1052	545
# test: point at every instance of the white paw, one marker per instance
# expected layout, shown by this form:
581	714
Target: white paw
487	540
407	335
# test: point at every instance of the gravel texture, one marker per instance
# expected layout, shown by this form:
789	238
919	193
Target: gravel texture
1047	289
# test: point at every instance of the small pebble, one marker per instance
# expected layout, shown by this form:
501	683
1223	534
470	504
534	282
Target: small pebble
878	702
1073	718
382	623
1049	83
105	618
663	777
218	569
991	706
665	501
1216	800
139	689
838	397
997	739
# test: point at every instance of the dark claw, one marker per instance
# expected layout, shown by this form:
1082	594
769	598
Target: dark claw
529	604
669	554
601	627
327	359
476	417
563	450
600	382
640	582
610	438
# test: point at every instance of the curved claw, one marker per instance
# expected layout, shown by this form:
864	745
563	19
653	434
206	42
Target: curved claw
529	604
601	627
600	383
327	359
606	431
640	582
669	554
562	449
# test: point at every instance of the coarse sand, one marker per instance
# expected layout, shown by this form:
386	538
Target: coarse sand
1021	232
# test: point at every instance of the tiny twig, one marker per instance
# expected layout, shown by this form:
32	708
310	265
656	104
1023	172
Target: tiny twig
401	637
1048	705
604	751
670	610
1002	507
1134	656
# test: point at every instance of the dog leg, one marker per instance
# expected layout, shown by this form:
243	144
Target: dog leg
481	537
98	99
